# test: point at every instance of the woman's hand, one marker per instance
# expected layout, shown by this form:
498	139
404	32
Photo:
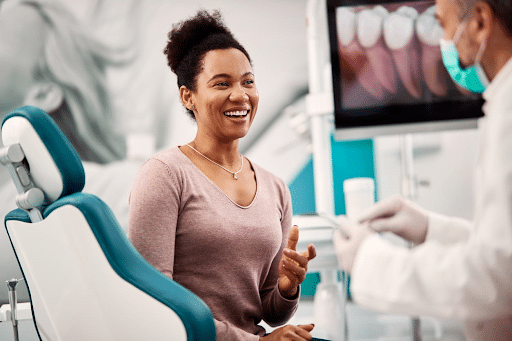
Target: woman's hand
289	333
293	266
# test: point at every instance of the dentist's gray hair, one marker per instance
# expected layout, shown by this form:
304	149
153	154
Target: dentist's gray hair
502	10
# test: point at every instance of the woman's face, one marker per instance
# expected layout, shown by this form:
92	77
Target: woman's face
226	97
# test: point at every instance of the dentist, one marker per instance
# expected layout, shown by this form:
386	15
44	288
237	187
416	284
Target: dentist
457	269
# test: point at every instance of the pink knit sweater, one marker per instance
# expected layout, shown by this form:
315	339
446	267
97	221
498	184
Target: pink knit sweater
227	254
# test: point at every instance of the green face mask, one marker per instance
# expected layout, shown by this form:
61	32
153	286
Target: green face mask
473	77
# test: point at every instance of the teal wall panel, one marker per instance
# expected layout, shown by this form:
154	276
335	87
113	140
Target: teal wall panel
350	159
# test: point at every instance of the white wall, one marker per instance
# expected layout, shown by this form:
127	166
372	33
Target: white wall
445	159
146	94
273	32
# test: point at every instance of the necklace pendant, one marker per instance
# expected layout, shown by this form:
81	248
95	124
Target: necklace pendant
236	177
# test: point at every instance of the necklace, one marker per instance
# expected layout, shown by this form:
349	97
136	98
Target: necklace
227	170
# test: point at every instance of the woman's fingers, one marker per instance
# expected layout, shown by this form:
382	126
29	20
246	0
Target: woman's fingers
299	258
290	332
296	270
307	327
293	238
294	265
304	331
292	282
310	253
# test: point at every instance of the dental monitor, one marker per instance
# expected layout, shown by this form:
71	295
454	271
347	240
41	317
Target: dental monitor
388	74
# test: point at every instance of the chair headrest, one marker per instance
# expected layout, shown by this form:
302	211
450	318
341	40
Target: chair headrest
54	165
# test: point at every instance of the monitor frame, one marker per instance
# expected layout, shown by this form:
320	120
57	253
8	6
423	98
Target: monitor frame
392	119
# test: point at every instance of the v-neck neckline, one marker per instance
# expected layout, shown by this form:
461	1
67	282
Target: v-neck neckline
218	188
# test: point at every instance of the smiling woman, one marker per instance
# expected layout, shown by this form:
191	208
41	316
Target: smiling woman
205	215
225	86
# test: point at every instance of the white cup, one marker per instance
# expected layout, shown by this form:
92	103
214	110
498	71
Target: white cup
359	196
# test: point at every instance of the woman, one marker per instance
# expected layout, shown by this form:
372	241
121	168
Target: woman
206	216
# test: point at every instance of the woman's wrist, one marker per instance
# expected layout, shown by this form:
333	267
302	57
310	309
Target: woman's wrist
290	294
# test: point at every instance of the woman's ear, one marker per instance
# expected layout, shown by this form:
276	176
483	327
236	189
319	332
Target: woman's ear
47	96
186	97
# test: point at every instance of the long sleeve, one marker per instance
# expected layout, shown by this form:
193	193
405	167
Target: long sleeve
277	310
152	228
226	254
448	281
447	230
228	332
153	215
459	272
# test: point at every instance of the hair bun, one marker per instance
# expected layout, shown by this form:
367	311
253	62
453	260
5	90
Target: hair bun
187	34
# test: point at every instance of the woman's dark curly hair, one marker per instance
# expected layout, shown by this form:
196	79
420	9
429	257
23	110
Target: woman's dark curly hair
190	40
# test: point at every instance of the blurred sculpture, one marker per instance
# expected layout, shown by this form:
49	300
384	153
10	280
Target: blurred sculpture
49	60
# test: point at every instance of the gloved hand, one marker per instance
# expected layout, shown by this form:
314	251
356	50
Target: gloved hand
347	239
400	216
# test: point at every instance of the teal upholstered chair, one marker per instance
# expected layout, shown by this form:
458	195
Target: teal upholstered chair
85	279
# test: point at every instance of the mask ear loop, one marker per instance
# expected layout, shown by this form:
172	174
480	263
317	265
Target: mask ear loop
480	52
458	33
479	69
481	49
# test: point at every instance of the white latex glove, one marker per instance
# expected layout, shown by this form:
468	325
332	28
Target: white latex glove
398	216
347	240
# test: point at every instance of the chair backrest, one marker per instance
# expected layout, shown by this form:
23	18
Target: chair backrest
86	281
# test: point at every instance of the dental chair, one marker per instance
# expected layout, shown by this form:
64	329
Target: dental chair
86	281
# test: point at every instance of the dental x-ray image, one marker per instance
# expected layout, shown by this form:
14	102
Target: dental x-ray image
394	50
387	65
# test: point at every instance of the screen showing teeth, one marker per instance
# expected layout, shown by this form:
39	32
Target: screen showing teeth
390	53
388	75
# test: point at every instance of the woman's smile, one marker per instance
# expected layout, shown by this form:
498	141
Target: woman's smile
238	113
225	87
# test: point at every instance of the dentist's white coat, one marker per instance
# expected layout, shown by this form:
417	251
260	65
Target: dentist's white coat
464	269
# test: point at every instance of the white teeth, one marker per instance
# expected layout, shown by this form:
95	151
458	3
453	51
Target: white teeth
409	12
346	25
381	10
428	29
236	113
398	27
431	10
369	26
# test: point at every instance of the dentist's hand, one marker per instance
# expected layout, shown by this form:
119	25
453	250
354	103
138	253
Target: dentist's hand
293	266
347	243
399	216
